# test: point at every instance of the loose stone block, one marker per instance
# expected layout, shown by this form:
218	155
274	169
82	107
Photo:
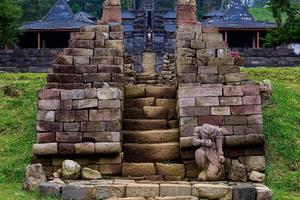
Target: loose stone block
85	148
212	191
138	169
108	93
71	137
207	101
108	147
220	110
101	136
72	94
86	103
170	170
175	190
79	192
105	191
49	104
45	149
257	177
255	163
142	190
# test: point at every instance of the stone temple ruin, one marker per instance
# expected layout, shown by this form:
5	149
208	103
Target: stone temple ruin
141	130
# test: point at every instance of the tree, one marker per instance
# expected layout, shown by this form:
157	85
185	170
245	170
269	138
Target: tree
9	23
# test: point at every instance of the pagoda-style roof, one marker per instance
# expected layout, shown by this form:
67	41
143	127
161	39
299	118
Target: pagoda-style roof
59	17
236	16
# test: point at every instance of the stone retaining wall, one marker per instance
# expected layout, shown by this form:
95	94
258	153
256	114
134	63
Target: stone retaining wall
26	60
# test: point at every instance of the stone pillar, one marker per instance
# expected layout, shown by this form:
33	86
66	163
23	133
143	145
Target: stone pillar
111	12
186	12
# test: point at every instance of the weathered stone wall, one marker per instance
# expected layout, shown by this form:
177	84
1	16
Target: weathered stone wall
281	57
26	60
168	74
211	89
80	109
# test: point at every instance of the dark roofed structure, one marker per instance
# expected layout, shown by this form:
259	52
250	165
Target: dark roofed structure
53	31
235	23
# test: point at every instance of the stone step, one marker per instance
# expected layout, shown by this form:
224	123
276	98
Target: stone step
159	152
141	91
139	102
153	136
144	124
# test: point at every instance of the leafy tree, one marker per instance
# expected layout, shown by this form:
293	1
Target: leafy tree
9	22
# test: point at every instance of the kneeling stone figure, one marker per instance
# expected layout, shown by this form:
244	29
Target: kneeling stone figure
209	156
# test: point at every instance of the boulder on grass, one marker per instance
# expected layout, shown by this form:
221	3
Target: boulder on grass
35	175
70	170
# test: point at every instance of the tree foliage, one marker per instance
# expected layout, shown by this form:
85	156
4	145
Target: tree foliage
9	22
289	30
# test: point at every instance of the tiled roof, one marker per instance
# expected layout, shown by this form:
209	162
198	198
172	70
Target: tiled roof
237	16
59	17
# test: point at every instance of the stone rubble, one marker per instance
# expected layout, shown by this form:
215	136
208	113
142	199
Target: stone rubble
34	176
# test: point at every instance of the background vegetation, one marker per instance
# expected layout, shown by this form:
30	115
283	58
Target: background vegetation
18	96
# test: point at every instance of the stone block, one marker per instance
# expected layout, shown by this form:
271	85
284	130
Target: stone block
250	89
81	115
45	137
101	136
85	103
207	101
108	159
89	44
105	115
185	36
246	110
117	44
184	61
72	94
212	191
90	93
64	69
243	192
49	104
186	78
47	94
217	45
182	69
197	44
188	121
251	100
194	111
263	193
85	148
111	169
78	52
164	92
104	191
236	120
170	170
116	35
186	102
106	104
255	163
231	101
92	126
191	171
79	69
213	120
50	189
66	149
228	69
108	52
257	177
78	192
43	126
209	90
100	43
81	60
255	119
235	77
102	36
45	149
248	129
138	169
108	147
220	110
142	190
82	35
71	137
44	115
232	91
99	77
65	116
113	126
207	70
64	78
175	190
64	60
108	93
113	69
186	131
186	142
185	52
220	61
213	37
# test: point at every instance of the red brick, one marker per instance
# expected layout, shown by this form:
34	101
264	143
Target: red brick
246	110
250	89
105	115
194	111
65	116
112	69
213	120
49	104
70	137
232	91
66	149
81	116
251	100
231	101
99	77
46	137
92	126
49	126
69	69
248	129
71	127
71	86
80	69
49	94
64	78
235	120
66	104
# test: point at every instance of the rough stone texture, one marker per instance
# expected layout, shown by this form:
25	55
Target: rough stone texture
106	191
138	169
50	189
237	172
170	169
243	192
70	170
34	176
212	191
257	177
90	174
142	190
78	192
169	190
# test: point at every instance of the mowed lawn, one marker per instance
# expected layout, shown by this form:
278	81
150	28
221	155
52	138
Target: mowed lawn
281	124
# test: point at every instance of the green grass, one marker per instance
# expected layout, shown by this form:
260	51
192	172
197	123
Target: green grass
263	14
281	125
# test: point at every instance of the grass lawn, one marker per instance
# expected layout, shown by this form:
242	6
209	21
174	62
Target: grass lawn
281	124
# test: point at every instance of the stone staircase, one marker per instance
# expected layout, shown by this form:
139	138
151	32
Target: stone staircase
150	130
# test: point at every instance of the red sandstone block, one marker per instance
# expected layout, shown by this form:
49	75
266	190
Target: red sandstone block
231	101
186	102
213	120
235	120
194	111
232	91
248	129
49	94
251	100
65	116
66	104
113	126
93	126
246	110
49	104
49	126
255	119
71	86
70	137
65	69
64	78
201	91
105	115
66	149
81	116
71	127
112	69
79	69
250	89
45	137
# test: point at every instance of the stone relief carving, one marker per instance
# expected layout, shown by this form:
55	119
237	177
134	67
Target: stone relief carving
209	156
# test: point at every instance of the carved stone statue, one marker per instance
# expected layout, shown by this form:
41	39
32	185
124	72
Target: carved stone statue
209	156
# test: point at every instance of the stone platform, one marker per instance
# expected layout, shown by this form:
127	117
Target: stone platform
126	189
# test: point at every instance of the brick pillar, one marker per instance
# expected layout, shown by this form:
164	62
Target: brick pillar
111	12
186	12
